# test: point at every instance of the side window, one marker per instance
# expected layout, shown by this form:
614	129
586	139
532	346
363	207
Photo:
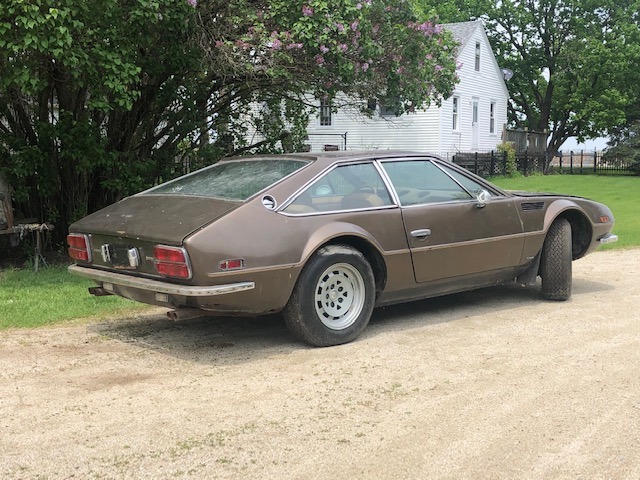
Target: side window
471	185
420	181
344	188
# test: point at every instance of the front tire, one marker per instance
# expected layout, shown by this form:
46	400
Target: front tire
333	298
555	264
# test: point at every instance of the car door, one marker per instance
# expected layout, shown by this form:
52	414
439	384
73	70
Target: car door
450	234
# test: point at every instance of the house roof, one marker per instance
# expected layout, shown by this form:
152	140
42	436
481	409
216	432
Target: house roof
463	31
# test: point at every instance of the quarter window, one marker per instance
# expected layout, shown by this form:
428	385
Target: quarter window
346	187
477	64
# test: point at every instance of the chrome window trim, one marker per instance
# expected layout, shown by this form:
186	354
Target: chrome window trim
333	212
436	161
292	198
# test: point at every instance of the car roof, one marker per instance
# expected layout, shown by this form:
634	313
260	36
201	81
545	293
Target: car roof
336	156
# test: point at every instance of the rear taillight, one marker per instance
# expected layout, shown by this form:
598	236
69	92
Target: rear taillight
172	261
79	247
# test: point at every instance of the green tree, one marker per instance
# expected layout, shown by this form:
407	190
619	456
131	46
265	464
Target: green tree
624	144
101	98
575	63
95	96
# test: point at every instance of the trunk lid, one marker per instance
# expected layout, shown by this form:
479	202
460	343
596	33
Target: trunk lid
154	218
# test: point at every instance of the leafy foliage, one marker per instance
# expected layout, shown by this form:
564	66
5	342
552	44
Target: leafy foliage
625	144
573	62
99	99
509	151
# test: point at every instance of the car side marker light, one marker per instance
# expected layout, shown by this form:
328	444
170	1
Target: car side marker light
231	264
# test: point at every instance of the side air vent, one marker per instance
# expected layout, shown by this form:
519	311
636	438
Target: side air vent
529	206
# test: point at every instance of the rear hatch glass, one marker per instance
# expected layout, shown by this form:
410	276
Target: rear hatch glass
236	180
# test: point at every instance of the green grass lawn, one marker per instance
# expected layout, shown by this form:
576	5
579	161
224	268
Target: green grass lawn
52	295
620	193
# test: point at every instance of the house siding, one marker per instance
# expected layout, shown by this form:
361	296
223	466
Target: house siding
431	130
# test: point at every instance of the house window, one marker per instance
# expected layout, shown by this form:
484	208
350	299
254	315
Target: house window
456	113
325	113
492	118
389	107
477	56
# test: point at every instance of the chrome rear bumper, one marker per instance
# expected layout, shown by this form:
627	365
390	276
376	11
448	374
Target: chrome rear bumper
108	279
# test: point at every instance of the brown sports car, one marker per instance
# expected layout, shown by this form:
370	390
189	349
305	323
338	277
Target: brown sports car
324	238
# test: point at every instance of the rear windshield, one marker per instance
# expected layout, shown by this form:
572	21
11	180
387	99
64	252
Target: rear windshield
237	180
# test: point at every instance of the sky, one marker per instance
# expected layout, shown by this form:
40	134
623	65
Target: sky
588	146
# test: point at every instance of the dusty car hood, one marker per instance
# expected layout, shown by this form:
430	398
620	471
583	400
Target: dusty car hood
166	218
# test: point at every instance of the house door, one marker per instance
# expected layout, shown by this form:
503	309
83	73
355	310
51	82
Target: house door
474	125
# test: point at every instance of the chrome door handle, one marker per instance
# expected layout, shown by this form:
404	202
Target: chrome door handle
421	234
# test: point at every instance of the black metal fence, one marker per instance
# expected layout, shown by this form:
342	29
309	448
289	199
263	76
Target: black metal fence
488	164
593	163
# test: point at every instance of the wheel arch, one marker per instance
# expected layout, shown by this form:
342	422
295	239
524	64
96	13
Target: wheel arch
581	228
370	252
351	235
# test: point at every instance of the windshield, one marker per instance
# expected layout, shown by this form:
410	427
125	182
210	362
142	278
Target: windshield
237	180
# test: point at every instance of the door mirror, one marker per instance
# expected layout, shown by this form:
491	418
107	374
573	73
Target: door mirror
483	197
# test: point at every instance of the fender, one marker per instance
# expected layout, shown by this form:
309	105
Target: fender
328	232
556	208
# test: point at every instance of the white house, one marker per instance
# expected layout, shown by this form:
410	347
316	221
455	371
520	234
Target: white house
472	119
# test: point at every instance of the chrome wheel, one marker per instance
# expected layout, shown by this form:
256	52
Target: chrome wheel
339	296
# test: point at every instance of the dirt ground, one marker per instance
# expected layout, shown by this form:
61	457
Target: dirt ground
489	384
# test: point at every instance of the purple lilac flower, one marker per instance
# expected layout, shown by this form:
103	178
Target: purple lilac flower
307	11
354	25
276	45
320	60
358	6
365	67
193	3
323	49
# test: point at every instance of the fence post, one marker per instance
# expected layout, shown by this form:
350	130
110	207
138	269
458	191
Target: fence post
504	163
595	163
582	160
493	164
571	162
475	164
526	162
560	155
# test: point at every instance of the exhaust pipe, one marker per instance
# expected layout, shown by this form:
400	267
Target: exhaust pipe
99	291
185	314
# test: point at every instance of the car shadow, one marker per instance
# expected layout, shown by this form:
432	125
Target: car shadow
229	341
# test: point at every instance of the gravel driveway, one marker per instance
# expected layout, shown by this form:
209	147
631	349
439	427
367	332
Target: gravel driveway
489	384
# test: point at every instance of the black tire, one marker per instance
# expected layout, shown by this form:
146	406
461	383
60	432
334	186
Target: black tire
555	263
333	298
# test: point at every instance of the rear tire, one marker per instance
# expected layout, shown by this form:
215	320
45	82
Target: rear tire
555	264
333	298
